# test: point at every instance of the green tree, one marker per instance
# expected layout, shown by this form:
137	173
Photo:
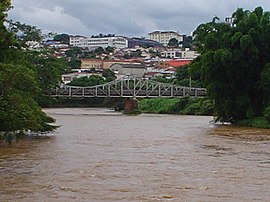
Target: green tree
73	52
19	89
74	63
187	42
234	64
25	33
63	38
109	75
99	51
109	49
87	81
18	108
48	69
173	42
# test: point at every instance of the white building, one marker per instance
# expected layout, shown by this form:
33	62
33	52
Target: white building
164	36
95	42
79	41
179	54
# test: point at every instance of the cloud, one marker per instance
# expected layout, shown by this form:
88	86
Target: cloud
125	17
55	19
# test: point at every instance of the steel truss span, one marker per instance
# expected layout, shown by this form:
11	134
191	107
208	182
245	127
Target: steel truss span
130	86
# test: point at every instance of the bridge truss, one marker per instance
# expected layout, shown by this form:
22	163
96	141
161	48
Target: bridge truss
130	86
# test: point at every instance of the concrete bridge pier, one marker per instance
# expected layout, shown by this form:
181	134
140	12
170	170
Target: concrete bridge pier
130	105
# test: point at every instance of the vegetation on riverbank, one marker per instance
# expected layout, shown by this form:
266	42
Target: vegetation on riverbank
25	76
183	106
235	66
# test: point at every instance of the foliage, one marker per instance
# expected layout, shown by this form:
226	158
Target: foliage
173	42
102	35
25	33
63	38
74	63
183	106
234	64
162	79
198	107
109	75
185	77
73	52
182	73
99	51
256	122
88	81
187	42
109	49
157	105
19	89
48	69
18	109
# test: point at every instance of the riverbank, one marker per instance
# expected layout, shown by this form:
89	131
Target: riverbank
182	106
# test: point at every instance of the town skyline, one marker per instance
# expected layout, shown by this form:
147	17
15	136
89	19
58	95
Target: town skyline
124	17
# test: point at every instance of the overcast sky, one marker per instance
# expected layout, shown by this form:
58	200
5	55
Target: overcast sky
125	17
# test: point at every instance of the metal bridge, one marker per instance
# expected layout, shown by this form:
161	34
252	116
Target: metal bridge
130	86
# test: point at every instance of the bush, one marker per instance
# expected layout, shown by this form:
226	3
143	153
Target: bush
198	107
183	106
266	113
257	122
158	105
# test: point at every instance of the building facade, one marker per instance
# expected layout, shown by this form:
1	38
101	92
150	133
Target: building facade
78	41
128	69
104	42
95	42
164	36
97	64
179	54
88	64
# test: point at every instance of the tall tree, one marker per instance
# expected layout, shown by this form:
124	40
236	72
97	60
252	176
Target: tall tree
234	64
19	90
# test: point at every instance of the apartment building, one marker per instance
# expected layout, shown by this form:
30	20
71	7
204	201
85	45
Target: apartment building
115	42
95	42
164	36
78	41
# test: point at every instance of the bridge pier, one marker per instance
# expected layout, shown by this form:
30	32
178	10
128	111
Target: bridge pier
130	105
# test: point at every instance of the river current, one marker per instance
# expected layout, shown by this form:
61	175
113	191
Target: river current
101	156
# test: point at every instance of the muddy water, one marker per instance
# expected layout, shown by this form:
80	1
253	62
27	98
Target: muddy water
98	155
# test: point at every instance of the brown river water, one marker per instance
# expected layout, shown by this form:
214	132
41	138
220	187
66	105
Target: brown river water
100	155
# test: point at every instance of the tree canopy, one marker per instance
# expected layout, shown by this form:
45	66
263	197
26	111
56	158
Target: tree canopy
235	64
63	38
173	42
24	33
19	85
87	81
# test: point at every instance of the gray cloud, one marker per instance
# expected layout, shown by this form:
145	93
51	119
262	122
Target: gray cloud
124	17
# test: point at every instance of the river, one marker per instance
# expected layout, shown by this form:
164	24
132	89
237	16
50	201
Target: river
101	156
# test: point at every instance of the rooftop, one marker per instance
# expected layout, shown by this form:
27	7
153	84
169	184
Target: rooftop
163	32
